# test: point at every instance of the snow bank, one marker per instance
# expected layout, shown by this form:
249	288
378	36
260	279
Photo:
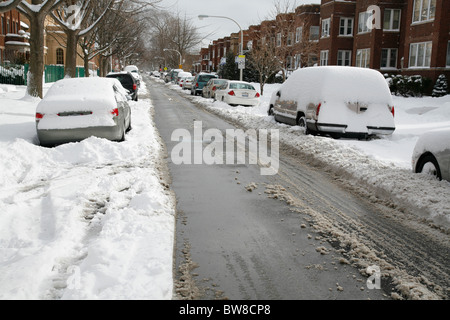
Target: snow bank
87	220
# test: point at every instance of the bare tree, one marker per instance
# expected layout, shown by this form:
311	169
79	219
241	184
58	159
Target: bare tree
172	31
8	5
36	12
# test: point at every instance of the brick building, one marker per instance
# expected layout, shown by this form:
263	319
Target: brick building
410	37
14	46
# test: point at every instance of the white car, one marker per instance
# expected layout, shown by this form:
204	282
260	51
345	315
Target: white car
431	154
335	100
238	93
78	108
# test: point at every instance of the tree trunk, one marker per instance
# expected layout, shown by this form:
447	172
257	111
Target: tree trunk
70	70
36	71
86	65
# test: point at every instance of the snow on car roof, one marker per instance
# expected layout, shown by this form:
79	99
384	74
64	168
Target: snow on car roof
336	83
77	93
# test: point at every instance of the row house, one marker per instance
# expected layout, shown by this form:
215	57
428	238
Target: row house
393	36
14	46
294	36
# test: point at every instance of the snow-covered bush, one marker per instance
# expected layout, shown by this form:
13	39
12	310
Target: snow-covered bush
408	86
441	87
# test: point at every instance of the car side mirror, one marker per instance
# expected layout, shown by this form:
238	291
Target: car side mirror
279	94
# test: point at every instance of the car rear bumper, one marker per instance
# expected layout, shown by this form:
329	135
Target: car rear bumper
52	137
243	101
342	129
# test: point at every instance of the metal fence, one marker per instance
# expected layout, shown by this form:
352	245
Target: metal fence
17	74
13	74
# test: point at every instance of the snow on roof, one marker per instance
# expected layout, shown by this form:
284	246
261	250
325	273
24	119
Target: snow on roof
337	83
76	93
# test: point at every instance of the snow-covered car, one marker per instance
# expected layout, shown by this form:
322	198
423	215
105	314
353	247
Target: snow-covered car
335	100
78	108
181	76
187	84
431	154
238	93
209	90
135	72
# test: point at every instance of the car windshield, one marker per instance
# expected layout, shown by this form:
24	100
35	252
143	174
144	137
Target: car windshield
244	86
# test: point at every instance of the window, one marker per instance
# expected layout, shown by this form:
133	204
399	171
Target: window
362	22
391	20
314	33
363	58
7	26
420	55
324	58
59	56
298	34
424	10
290	39
325	28
289	61
297	61
344	57
278	39
448	54
388	58
346	27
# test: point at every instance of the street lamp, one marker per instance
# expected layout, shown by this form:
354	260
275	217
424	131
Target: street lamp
176	52
241	49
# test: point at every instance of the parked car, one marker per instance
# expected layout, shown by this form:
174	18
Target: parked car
335	100
135	72
199	82
128	82
172	76
78	108
431	154
187	85
238	93
209	90
181	76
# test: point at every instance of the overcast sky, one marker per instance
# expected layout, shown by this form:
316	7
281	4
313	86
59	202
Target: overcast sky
245	12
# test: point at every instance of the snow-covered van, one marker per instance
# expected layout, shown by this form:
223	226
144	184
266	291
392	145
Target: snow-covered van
335	100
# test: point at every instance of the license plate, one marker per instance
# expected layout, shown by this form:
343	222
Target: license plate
245	94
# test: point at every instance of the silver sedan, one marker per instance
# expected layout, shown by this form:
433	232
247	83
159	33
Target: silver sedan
76	109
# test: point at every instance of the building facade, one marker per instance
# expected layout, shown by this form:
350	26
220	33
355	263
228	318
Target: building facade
14	46
409	37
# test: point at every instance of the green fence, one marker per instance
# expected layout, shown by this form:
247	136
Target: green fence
17	74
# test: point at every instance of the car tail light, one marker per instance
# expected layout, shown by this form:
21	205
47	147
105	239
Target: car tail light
392	109
318	109
196	84
39	116
134	86
257	95
231	93
214	88
115	112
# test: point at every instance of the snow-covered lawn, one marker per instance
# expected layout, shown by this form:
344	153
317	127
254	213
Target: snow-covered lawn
380	167
88	220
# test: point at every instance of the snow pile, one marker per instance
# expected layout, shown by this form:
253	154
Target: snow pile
87	220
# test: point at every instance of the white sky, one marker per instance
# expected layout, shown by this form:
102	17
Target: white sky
245	12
